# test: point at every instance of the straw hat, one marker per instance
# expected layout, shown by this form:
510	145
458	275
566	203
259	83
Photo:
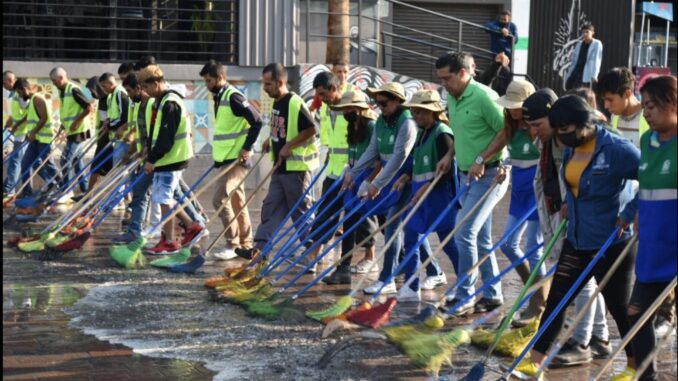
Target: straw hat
426	99
355	98
393	88
516	93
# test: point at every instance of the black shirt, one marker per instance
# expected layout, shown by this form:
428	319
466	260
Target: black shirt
241	107
82	101
581	60
279	116
171	118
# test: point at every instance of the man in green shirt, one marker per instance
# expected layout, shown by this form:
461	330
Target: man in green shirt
478	123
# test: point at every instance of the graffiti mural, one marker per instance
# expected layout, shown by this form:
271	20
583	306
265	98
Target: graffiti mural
566	38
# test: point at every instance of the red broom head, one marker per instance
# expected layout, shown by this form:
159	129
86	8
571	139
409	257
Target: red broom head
374	317
364	306
12	242
84	229
74	243
9	202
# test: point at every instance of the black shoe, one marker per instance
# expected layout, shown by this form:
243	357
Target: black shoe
78	197
571	354
486	305
600	349
247	253
462	310
339	276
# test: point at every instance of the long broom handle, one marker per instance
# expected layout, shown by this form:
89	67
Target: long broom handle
397	231
651	356
533	275
247	201
242	181
454	231
580	315
636	327
545	324
109	205
44	162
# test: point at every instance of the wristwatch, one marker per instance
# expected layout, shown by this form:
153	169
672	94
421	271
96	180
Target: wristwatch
479	160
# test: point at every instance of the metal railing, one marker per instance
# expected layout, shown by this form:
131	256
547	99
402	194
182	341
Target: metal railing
121	30
437	42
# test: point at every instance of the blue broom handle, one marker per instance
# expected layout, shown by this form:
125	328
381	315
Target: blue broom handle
543	326
494	279
335	243
117	199
500	242
15	151
68	166
420	241
181	199
274	237
9	135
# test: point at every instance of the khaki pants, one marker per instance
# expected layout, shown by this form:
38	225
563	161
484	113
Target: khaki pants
239	233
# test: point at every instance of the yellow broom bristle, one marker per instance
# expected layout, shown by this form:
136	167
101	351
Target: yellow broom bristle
511	342
432	351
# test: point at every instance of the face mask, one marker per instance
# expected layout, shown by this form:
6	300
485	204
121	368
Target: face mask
351	117
136	99
570	139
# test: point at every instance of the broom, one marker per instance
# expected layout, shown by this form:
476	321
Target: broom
380	316
269	307
478	370
172	263
555	348
563	303
634	330
651	356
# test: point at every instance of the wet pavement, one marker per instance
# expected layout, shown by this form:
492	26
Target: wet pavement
80	317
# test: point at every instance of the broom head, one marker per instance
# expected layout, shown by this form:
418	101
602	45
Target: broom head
432	351
190	267
272	309
74	243
177	259
126	258
31	246
361	307
342	305
14	241
239	297
57	240
25	202
476	373
374	317
511	342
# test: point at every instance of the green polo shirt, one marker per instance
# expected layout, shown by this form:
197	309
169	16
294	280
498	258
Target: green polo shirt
475	120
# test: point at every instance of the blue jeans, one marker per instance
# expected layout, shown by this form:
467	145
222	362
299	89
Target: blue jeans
190	209
392	252
474	238
423	253
70	165
48	172
511	247
121	149
594	321
14	165
141	195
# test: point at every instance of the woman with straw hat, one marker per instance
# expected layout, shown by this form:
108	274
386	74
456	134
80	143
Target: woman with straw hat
434	141
392	141
361	123
524	156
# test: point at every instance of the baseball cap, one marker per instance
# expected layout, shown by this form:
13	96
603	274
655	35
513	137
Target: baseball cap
538	105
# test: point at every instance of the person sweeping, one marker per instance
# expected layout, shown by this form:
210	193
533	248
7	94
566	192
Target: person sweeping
597	166
434	141
657	211
171	149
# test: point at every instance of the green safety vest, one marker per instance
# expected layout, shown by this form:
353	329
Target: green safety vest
69	111
113	112
230	131
17	113
182	149
523	152
131	117
657	170
642	129
386	136
355	151
141	124
304	157
326	125
425	156
336	140
46	133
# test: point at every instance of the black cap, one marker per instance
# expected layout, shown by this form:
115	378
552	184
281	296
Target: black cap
571	109
538	105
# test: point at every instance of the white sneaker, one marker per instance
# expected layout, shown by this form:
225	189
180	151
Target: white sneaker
224	253
365	266
407	294
66	198
432	282
374	287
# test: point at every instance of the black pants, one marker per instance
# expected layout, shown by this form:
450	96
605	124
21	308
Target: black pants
644	294
617	292
327	213
108	164
364	229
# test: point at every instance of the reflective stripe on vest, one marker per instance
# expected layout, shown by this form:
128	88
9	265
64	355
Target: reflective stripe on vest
182	149
304	157
142	123
326	121
386	136
658	194
425	155
524	163
335	139
69	110
46	133
230	130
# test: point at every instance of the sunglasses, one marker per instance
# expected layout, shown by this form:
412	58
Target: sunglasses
382	104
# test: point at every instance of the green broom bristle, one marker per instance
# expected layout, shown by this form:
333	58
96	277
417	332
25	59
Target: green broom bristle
264	308
126	258
177	259
342	305
56	240
31	246
262	293
511	343
431	352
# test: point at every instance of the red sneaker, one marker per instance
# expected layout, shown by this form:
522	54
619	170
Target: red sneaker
164	247
192	235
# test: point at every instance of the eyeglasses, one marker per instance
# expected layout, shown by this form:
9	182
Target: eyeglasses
382	104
